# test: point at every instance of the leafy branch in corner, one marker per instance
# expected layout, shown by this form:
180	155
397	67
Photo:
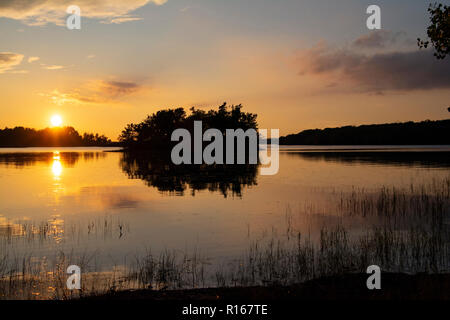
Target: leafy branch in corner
439	31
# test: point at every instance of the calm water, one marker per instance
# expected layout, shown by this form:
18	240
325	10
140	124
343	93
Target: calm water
118	205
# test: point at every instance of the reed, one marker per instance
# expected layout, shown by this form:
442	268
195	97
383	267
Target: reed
410	233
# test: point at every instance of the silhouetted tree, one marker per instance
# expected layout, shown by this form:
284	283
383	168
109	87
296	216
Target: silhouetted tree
49	137
438	31
156	168
156	130
90	139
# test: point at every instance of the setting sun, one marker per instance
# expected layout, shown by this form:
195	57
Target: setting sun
56	120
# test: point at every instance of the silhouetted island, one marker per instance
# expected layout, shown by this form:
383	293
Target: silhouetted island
147	152
156	130
407	133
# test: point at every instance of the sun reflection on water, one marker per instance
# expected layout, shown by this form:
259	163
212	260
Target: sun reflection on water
56	166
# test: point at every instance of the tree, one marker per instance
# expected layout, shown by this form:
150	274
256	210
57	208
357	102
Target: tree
156	130
438	31
90	139
49	137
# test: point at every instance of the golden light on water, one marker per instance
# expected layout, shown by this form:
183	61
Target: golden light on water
56	166
57	170
56	120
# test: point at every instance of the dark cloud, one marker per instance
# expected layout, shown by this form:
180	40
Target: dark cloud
395	71
379	39
118	88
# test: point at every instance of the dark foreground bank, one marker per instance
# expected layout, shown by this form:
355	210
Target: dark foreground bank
346	287
420	295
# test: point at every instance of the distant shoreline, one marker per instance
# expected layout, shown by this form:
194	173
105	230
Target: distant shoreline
64	148
282	148
404	133
75	146
425	133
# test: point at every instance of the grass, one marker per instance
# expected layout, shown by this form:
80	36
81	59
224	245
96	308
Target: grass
57	230
169	270
409	232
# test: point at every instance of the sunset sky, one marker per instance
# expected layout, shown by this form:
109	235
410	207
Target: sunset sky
297	64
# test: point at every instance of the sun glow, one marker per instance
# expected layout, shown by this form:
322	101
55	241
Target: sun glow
56	120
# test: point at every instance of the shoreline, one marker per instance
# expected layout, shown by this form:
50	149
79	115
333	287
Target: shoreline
350	287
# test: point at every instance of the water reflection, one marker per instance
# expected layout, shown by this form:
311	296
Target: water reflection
405	158
90	210
57	166
57	230
66	159
8	228
159	172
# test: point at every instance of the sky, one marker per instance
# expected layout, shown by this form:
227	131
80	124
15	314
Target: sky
297	64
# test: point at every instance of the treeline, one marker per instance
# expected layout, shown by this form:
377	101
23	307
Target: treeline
408	133
156	130
50	137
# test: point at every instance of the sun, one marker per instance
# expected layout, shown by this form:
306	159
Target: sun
56	120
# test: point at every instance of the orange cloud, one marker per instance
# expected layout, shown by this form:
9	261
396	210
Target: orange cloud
41	12
93	92
32	59
9	60
118	20
53	67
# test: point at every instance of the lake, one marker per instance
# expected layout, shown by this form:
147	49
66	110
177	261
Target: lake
112	207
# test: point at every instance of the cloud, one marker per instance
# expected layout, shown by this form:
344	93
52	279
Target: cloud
53	67
118	20
41	12
18	71
95	92
60	98
9	60
378	39
392	71
118	88
32	59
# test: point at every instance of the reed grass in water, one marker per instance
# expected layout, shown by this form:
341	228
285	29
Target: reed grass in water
410	234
